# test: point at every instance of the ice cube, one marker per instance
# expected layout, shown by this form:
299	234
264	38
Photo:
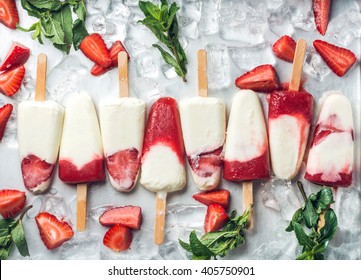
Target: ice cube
101	5
190	216
96	24
146	88
56	206
218	68
209	21
314	65
97	211
191	9
278	19
188	27
146	66
301	14
35	210
82	246
118	11
171	250
131	3
168	70
141	33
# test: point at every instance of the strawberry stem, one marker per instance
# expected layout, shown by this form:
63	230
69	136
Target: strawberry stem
302	190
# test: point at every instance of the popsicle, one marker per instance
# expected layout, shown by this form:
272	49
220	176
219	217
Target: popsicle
204	128
81	153
122	123
330	159
289	121
163	169
40	125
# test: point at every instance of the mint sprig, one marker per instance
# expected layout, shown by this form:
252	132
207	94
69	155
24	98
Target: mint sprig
218	243
12	233
162	21
315	242
56	22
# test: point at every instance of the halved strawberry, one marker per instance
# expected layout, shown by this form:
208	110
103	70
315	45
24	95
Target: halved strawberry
205	164
118	238
35	171
129	216
284	48
337	58
16	57
8	13
116	48
53	232
11	202
123	167
216	218
5	113
321	12
220	197
10	81
262	78
94	48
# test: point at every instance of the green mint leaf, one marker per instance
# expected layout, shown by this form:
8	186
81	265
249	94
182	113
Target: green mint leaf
64	18
310	215
79	33
53	31
32	11
4	240
169	59
80	10
185	246
18	237
5	224
329	229
52	5
150	10
4	252
324	199
296	218
302	237
198	249
157	28
171	15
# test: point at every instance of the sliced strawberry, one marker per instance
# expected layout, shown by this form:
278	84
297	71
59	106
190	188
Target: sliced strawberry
338	59
10	81
123	167
116	48
321	11
53	232
220	197
5	113
204	165
129	216
94	48
216	218
35	171
118	238
262	78
9	13
284	48
11	203
16	57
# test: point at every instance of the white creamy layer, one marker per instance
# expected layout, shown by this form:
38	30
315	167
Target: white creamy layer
207	183
288	138
161	170
246	131
203	124
81	140
122	124
39	129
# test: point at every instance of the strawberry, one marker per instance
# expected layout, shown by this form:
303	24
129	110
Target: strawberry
205	164
94	48
129	216
337	58
220	197
10	81
321	11
118	238
284	48
262	78
5	113
216	218
53	232
16	57
35	171
116	48
11	203
123	167
9	13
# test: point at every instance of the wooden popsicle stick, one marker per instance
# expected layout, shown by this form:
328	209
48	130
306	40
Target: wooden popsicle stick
123	74
160	208
81	207
297	65
248	200
202	73
40	87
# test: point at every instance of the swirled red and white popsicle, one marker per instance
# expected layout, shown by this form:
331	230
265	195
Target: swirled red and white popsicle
330	159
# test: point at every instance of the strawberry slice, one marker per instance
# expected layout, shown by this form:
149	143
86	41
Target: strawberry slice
35	171
94	48
116	48
11	202
284	48
8	13
52	231
10	81
337	58
321	11
123	167
216	218
220	197
118	238
129	216
16	57
5	113
262	78
205	164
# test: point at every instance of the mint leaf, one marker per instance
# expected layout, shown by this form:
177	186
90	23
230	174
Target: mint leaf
302	237
323	199
169	59
296	218
198	248
80	10
150	10
185	246
310	216
79	33
52	5
18	237
64	18
329	229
